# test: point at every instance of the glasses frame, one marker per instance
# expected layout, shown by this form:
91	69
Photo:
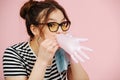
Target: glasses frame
59	25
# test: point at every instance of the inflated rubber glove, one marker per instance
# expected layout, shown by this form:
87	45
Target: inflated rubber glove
72	46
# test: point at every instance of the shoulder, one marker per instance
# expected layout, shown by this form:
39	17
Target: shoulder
18	46
15	49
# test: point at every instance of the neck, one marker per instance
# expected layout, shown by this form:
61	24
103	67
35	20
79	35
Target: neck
34	44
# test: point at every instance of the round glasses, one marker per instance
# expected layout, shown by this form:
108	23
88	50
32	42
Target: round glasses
54	26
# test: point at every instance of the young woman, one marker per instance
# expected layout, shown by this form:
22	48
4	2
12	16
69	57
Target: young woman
41	58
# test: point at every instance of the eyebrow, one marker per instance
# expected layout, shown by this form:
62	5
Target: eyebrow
51	19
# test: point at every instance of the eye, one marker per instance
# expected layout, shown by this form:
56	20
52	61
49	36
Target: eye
52	24
65	23
49	24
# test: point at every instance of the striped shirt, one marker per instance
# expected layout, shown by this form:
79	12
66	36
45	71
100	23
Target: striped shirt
19	59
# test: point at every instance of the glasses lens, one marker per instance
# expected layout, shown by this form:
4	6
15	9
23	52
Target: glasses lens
65	25
53	26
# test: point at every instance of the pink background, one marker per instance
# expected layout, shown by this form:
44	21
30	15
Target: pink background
97	20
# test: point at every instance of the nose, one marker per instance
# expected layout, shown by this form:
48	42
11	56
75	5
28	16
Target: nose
59	30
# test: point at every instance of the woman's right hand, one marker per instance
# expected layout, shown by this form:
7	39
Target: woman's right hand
47	50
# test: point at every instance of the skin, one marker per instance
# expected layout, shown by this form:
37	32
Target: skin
45	50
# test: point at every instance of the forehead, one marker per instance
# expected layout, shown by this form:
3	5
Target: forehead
56	16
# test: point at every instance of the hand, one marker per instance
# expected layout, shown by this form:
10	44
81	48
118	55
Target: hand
72	46
47	50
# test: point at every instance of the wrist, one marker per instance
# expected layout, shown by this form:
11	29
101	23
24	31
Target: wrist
41	62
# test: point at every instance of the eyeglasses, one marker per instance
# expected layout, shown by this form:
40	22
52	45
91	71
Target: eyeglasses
54	26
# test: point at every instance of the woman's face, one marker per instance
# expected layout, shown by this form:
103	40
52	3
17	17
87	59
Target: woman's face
58	17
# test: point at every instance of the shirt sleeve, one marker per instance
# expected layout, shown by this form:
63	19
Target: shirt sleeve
12	63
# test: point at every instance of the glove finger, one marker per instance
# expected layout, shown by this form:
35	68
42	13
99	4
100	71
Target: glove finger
82	39
74	59
85	48
78	57
83	54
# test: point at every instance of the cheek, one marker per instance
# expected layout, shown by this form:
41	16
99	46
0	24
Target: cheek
48	34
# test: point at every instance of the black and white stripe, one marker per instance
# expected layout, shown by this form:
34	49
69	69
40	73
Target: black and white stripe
19	59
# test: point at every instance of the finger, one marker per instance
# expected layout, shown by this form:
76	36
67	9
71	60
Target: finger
46	42
82	54
85	48
50	43
53	47
82	39
54	44
74	59
78	57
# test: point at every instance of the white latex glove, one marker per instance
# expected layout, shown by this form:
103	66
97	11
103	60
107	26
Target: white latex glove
72	46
